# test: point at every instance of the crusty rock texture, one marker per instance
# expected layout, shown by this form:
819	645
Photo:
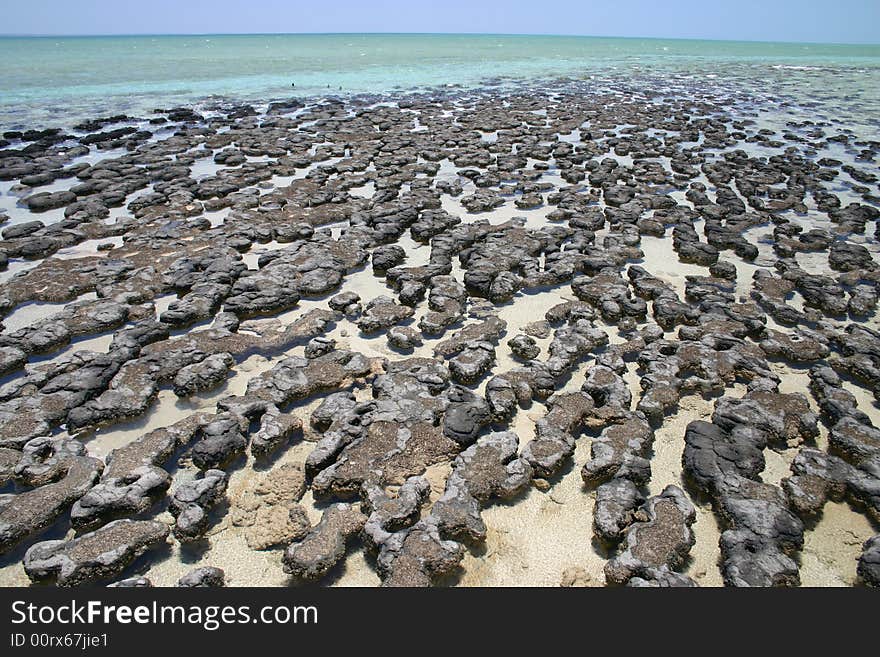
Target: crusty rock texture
96	556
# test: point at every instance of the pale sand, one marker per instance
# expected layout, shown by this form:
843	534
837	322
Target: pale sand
659	261
833	545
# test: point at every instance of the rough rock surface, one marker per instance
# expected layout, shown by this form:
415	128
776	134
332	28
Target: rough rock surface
869	562
658	541
96	556
325	544
191	501
268	511
29	512
134	478
206	576
490	468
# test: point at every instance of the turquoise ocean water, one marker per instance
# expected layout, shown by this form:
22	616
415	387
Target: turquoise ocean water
56	81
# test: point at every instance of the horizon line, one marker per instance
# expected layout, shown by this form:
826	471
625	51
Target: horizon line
13	35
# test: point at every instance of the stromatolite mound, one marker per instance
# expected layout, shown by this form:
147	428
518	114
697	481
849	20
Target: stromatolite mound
869	562
658	541
324	546
96	556
268	510
206	576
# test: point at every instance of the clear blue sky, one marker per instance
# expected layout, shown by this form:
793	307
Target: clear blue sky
835	21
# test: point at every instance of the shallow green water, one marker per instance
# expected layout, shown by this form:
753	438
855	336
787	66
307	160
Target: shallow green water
54	80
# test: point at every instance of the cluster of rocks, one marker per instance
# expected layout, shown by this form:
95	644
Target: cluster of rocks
189	282
725	458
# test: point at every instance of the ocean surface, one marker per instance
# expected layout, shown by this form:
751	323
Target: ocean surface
52	81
